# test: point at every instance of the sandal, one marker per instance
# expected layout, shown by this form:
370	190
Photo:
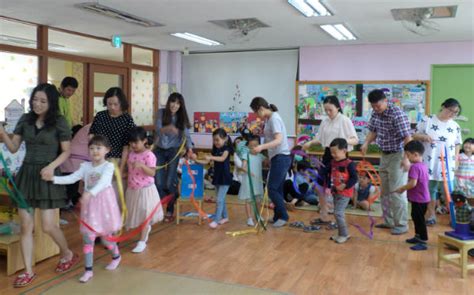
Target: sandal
319	221
331	226
64	266
297	224
311	228
23	280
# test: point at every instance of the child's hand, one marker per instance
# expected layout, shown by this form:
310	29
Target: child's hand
257	149
47	173
193	156
86	196
399	190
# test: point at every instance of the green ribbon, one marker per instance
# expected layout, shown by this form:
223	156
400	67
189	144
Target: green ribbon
16	194
258	217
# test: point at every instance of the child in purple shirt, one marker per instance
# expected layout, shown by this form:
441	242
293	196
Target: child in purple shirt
417	192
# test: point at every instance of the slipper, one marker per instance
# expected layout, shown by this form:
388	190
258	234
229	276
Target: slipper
169	219
297	224
23	280
64	266
311	228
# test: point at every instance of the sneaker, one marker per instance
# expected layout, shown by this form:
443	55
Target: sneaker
250	222
279	223
213	225
383	225
419	247
396	232
415	240
88	274
311	228
431	222
223	220
319	221
140	247
341	239
114	264
334	238
471	252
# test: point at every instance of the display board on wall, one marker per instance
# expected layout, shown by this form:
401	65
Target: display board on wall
232	122
411	96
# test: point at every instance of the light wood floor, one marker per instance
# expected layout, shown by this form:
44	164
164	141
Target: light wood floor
284	259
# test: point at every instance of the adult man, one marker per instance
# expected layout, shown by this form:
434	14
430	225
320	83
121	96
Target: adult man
390	128
67	89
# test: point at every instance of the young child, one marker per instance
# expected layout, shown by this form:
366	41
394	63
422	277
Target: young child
221	152
141	195
237	173
343	177
363	191
256	160
301	187
464	175
417	192
99	208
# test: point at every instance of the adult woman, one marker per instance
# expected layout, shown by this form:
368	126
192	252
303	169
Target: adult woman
172	128
439	133
47	137
276	143
336	125
115	124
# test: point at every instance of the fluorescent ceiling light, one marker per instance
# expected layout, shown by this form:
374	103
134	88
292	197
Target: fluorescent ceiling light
339	32
197	39
310	7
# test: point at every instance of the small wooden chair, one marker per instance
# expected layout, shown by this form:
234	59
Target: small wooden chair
456	259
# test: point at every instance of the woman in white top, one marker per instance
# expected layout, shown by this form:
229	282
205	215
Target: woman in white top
437	132
335	125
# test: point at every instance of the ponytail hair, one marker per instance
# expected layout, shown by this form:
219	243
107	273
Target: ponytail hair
228	141
258	102
139	134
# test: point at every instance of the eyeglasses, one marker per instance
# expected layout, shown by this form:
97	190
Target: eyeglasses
452	112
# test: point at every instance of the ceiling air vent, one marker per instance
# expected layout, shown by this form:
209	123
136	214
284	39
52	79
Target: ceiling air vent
243	25
117	14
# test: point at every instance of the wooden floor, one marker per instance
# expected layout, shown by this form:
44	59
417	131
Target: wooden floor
284	259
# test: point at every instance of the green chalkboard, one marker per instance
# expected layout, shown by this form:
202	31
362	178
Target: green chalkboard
455	81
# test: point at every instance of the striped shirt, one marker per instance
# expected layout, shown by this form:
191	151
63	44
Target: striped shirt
391	126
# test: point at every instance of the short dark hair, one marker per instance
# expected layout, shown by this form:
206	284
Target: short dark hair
452	102
302	165
116	91
467	140
341	143
415	146
376	95
252	137
69	81
458	196
99	140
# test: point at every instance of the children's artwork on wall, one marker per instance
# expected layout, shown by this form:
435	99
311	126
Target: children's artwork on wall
311	96
307	129
233	121
360	125
410	97
206	122
255	124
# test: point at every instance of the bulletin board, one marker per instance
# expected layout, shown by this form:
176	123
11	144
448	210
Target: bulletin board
411	96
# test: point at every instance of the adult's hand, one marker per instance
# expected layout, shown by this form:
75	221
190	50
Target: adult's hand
363	149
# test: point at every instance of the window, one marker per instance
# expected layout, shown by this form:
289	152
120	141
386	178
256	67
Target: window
17	33
142	56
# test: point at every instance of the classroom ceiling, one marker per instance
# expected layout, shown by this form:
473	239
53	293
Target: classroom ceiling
370	20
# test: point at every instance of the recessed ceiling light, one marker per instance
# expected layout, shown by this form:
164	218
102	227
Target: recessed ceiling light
339	32
310	7
197	39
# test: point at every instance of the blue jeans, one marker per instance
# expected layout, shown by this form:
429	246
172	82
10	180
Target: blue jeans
340	204
221	209
279	166
166	178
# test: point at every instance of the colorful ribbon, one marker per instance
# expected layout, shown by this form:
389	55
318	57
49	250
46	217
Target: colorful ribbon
447	192
178	153
118	177
191	197
16	195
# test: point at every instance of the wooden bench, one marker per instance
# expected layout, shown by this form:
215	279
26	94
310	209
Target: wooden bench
456	259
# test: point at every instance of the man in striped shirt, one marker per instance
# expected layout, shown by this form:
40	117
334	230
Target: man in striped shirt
390	129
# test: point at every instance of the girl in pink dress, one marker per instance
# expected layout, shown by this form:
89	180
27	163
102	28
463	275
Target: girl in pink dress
142	195
99	208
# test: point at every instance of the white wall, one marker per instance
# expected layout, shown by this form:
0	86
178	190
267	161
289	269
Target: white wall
209	81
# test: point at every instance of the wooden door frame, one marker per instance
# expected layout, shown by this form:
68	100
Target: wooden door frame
96	68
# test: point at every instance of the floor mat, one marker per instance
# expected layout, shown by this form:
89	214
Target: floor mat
128	280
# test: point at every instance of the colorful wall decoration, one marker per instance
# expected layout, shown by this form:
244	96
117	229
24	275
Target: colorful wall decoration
232	122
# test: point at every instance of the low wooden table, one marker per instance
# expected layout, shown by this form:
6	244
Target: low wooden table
456	259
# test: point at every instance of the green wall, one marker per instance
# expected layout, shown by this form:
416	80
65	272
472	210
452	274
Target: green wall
455	81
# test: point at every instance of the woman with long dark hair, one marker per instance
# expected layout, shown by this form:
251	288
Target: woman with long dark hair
172	128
